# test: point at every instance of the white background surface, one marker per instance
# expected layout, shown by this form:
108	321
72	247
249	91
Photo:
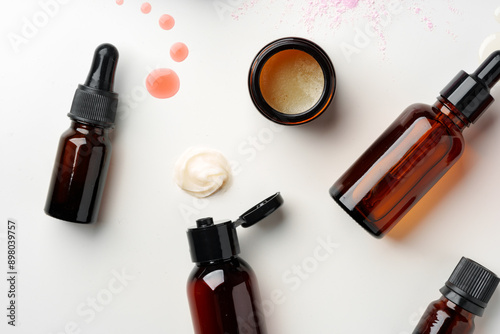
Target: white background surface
364	286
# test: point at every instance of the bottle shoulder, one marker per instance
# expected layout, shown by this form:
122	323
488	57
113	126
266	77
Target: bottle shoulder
436	112
86	134
445	308
231	271
432	117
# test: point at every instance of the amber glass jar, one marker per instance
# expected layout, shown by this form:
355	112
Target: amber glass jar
287	68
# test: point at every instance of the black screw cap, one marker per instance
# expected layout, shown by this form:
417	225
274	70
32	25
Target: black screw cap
470	286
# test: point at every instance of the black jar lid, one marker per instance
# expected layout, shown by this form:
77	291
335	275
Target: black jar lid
292	43
210	241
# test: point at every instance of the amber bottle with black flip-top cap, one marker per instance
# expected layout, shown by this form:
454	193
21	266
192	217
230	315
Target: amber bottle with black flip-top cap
222	288
414	152
84	152
465	296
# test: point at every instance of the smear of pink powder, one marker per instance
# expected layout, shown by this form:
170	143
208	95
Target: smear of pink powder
119	2
334	13
350	3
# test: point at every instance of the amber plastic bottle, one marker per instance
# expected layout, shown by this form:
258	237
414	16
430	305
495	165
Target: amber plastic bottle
465	296
84	152
222	289
414	152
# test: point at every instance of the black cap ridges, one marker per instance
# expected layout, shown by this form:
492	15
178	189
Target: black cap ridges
470	286
470	94
94	101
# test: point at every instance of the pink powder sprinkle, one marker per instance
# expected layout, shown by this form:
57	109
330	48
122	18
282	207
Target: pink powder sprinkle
452	8
452	34
243	9
119	2
350	3
428	22
146	8
329	15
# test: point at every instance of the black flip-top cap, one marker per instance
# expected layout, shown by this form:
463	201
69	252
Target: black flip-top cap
211	242
260	211
94	101
470	94
470	286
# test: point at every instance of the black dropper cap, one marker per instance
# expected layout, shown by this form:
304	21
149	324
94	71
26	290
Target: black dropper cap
470	286
94	101
470	94
210	242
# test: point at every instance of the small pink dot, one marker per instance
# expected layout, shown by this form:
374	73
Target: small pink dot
167	22
179	51
119	2
146	8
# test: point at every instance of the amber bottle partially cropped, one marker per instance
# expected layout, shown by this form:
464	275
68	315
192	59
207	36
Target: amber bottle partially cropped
222	288
464	296
414	152
84	152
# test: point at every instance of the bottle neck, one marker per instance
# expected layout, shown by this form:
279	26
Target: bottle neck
218	261
88	128
452	114
456	309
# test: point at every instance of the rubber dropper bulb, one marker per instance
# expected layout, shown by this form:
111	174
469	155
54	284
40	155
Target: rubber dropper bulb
102	72
94	101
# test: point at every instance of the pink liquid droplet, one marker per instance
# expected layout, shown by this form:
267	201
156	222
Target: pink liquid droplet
146	8
119	2
179	51
167	22
162	83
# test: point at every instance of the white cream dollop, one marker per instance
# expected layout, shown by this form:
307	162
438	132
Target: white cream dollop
201	171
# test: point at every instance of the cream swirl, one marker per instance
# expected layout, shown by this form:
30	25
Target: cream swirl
201	171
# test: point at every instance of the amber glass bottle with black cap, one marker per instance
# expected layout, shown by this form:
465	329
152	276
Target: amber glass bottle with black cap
414	152
464	296
84	151
222	288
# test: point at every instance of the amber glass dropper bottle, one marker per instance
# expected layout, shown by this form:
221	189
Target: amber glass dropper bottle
84	152
465	296
414	152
